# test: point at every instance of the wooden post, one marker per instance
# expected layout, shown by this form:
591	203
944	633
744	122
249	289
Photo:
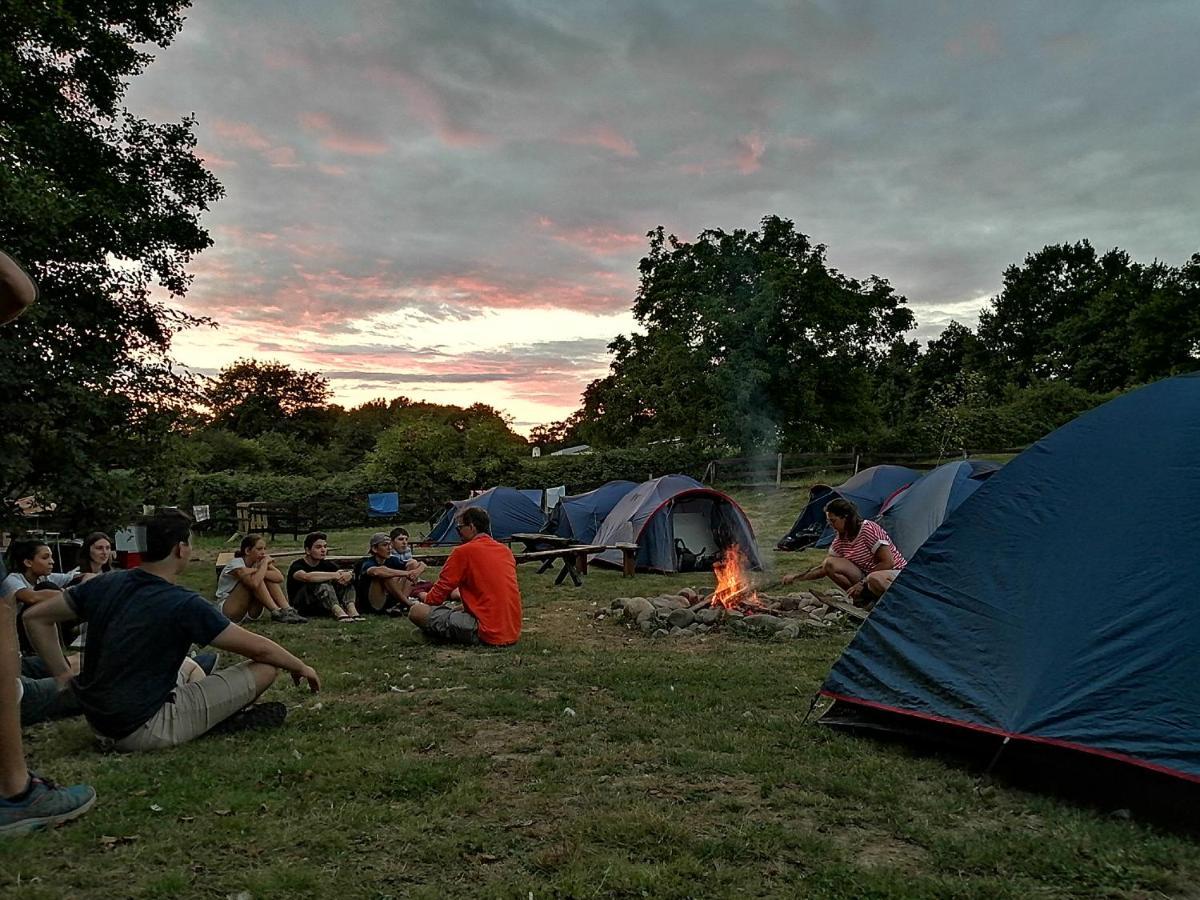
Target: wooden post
857	457
778	470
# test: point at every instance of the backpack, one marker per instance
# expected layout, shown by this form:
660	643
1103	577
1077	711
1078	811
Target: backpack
685	559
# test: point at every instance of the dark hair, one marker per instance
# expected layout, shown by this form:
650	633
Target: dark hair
312	537
21	551
844	509
396	532
164	532
247	542
478	517
85	552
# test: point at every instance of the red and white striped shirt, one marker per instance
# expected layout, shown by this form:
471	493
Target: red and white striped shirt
860	550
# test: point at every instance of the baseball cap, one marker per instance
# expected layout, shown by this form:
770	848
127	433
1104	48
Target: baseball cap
380	537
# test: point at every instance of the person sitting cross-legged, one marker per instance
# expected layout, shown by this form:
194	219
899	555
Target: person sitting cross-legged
251	582
384	583
141	625
484	572
316	586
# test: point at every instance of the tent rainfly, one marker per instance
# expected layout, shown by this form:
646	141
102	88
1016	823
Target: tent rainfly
869	490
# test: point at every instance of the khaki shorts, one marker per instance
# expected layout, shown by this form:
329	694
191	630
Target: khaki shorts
196	707
454	626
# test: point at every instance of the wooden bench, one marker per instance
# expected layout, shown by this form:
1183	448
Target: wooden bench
574	557
628	558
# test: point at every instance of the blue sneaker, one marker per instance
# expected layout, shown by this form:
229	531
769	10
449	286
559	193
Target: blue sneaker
44	804
206	661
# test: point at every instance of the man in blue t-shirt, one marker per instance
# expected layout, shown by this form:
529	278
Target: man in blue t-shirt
141	625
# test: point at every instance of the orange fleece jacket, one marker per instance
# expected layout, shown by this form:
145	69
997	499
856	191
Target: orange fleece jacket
485	573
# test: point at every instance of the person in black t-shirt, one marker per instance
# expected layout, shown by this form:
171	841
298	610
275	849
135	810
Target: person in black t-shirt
383	582
316	586
141	625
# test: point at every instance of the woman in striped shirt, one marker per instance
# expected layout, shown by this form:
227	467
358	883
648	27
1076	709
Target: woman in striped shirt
862	559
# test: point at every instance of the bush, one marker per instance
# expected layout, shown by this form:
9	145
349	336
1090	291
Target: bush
584	471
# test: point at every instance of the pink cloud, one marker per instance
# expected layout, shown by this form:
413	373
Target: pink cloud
750	151
241	134
214	160
605	137
335	137
428	107
601	239
980	39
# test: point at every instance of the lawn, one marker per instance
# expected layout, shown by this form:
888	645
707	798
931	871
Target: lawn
589	761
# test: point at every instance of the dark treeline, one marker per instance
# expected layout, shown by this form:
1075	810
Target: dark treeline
753	343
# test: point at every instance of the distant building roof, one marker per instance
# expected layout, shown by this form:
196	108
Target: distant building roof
571	451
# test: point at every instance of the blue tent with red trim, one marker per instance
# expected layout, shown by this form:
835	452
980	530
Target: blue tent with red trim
666	514
1055	605
579	516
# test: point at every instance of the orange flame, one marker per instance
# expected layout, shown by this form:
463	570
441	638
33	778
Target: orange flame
732	581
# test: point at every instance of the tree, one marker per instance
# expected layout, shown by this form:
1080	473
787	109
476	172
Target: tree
250	398
434	453
750	339
102	207
1098	322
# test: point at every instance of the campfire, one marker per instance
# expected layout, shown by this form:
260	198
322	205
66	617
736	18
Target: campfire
734	588
735	604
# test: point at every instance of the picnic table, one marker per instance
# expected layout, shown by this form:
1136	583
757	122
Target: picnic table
574	557
544	543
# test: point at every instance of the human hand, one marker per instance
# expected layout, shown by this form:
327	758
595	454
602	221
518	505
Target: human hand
788	579
309	674
855	590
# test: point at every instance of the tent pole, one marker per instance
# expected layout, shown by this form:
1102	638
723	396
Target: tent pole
816	698
996	758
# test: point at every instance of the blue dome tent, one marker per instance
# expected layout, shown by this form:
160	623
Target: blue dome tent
661	513
580	516
868	490
510	510
1051	608
911	516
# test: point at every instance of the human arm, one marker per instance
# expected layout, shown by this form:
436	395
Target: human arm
319	577
255	647
271	572
251	576
30	597
41	624
385	571
816	573
415	568
17	290
451	576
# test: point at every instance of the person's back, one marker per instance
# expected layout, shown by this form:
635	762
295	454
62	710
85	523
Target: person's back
140	628
489	588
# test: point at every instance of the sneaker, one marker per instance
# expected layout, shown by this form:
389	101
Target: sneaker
44	804
252	718
294	617
206	661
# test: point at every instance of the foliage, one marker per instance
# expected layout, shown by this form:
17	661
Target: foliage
1099	322
585	471
434	453
250	397
101	207
750	338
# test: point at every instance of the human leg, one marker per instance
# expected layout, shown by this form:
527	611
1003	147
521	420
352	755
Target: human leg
241	603
27	801
880	580
841	572
199	706
447	625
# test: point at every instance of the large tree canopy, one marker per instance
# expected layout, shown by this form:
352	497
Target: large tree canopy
1098	322
103	208
751	339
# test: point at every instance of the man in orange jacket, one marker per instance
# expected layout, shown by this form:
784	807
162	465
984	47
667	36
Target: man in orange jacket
484	574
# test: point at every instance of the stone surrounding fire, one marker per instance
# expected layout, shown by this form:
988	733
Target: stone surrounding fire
687	614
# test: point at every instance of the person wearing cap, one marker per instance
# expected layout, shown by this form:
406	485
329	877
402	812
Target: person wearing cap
383	582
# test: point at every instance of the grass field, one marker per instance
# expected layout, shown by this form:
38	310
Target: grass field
684	770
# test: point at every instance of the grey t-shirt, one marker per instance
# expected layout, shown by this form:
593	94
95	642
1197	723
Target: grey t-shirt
227	580
18	582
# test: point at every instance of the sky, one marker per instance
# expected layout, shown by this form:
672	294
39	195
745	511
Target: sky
448	200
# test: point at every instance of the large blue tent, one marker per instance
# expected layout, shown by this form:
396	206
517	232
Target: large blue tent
1055	605
664	513
579	516
510	511
911	516
868	490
